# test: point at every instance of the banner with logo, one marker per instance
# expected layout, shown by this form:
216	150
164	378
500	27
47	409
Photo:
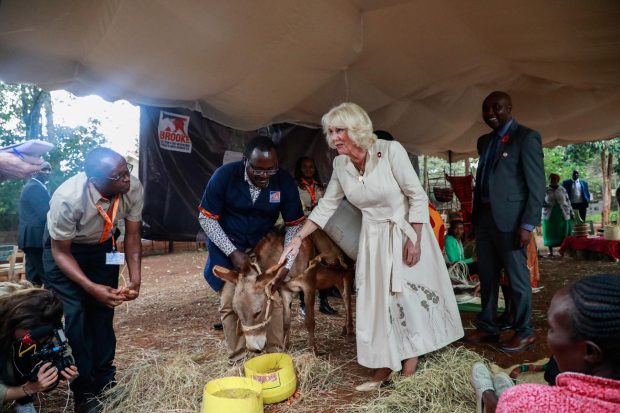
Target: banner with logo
180	150
172	132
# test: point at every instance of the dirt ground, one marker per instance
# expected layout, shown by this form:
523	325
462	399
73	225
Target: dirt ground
176	308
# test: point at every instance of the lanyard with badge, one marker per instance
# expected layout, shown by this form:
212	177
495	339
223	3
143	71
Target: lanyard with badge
114	257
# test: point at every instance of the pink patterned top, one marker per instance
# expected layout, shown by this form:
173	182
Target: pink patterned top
573	393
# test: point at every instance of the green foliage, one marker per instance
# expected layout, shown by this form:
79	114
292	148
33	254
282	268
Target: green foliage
556	161
18	120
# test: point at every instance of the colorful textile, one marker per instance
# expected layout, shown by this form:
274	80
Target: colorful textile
556	228
454	251
463	189
573	392
598	244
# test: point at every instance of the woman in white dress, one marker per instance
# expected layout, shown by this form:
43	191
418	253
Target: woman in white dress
405	303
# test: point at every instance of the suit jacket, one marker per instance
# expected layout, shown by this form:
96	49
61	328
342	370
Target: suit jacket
568	185
34	203
516	180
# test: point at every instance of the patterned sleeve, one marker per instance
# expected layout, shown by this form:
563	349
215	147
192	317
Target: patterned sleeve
216	234
288	236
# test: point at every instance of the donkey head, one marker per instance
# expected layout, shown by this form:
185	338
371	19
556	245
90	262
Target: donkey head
252	302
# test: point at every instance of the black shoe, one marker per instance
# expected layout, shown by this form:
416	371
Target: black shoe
218	326
333	292
325	308
90	405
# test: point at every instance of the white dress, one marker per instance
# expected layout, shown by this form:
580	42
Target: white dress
402	311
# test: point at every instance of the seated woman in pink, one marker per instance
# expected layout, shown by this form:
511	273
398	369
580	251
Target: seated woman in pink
584	337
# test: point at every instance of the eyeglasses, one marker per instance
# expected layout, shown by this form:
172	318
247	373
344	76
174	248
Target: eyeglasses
260	172
120	176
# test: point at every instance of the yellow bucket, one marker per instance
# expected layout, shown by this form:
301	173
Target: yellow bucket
277	374
232	394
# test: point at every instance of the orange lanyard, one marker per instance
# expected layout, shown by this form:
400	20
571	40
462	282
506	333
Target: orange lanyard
108	218
311	189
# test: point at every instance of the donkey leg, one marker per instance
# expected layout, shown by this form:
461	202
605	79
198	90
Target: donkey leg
287	298
309	293
346	297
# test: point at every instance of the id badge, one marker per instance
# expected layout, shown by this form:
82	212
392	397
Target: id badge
115	258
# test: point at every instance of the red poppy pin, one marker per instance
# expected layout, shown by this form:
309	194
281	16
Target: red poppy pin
378	154
505	139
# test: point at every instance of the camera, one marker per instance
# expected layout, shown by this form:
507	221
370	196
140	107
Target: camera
42	345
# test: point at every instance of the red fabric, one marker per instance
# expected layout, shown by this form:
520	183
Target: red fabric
599	244
574	393
463	189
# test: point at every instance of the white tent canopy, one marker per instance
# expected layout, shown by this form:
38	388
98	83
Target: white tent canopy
420	68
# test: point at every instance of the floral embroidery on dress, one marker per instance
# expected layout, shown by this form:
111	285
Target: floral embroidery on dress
406	338
401	315
438	315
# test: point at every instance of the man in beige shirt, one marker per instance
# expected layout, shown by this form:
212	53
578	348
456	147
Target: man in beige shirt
82	264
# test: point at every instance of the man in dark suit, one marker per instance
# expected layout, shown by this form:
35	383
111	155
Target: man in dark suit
34	203
579	194
508	197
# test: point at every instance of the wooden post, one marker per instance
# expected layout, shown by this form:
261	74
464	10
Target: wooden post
425	174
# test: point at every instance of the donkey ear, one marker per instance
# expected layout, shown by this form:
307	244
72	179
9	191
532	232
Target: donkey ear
225	274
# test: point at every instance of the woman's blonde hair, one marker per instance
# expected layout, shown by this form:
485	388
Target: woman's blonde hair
354	119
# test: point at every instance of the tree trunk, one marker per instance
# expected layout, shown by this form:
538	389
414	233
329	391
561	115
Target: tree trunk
606	164
31	112
49	118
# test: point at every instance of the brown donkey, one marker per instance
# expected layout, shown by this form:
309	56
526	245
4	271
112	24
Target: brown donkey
253	299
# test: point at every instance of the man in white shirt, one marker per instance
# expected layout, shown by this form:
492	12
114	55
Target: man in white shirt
579	194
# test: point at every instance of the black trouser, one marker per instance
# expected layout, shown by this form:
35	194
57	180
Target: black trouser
472	268
34	265
323	294
582	207
497	250
88	323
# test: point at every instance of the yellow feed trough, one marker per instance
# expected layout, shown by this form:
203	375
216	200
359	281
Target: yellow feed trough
232	394
275	371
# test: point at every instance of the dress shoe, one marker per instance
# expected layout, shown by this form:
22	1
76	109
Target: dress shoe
481	336
502	382
325	308
504	325
373	385
482	381
218	326
517	343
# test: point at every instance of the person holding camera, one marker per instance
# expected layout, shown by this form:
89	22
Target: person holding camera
25	369
82	263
